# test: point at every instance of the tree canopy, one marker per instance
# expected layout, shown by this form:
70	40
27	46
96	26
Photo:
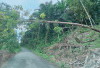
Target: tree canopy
64	10
8	21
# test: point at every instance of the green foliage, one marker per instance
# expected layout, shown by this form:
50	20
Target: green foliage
42	15
58	30
80	15
1	15
9	20
64	10
18	8
45	56
14	14
42	35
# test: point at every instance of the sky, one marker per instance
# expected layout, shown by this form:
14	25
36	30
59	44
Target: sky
27	4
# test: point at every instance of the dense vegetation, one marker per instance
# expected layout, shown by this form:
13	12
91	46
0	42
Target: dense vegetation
44	34
45	39
8	21
41	35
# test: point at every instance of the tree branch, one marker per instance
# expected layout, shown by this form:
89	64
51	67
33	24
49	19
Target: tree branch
75	24
69	23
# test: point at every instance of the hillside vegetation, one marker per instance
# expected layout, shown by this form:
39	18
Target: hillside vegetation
48	34
64	43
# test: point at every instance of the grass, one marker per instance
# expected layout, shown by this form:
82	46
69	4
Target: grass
49	58
92	35
45	56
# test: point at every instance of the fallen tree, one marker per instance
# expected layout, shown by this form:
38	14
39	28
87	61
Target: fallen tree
69	23
75	24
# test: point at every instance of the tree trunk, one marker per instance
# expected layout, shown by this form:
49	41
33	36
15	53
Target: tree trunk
69	23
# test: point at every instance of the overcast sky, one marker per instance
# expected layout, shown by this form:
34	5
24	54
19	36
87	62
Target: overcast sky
27	4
